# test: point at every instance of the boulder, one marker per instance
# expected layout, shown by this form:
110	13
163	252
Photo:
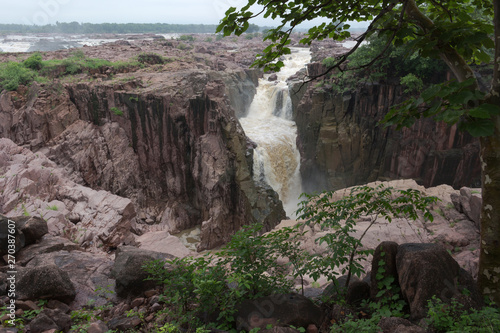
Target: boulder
10	235
90	273
399	325
42	323
383	266
357	292
97	327
44	282
128	272
124	323
278	310
162	241
32	227
61	319
427	270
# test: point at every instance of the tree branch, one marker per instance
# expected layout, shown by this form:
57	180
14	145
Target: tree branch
450	56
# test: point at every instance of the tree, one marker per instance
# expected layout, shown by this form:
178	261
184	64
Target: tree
461	32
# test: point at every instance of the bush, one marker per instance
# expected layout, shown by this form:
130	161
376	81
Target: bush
13	74
34	62
206	290
150	58
412	83
117	111
187	38
444	317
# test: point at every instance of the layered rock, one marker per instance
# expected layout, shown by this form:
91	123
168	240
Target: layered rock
33	185
166	138
342	144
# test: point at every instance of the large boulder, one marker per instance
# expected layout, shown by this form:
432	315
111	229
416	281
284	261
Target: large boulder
49	319
10	235
128	270
383	267
278	310
44	282
427	270
90	273
33	228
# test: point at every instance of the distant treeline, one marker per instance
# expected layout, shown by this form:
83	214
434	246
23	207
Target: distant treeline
115	28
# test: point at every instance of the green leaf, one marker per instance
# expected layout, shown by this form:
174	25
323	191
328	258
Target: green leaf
478	127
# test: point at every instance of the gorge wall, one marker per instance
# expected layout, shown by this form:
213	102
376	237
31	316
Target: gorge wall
342	144
167	139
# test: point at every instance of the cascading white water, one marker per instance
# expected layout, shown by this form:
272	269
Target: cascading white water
269	124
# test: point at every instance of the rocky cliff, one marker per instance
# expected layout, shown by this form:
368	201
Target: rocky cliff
342	144
164	136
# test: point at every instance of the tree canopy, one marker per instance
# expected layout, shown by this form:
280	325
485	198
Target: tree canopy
460	32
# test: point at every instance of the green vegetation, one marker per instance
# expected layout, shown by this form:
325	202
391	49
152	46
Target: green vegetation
341	216
53	207
187	38
462	33
407	66
197	288
248	263
116	111
13	74
34	68
445	317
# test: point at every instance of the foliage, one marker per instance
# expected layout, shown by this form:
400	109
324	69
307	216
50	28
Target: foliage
345	250
412	82
444	317
205	290
183	46
187	38
352	325
116	111
13	74
451	102
34	61
398	62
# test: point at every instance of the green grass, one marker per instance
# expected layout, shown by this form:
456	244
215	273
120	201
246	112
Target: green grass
53	207
34	68
116	111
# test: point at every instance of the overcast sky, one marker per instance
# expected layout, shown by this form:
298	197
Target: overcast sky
118	11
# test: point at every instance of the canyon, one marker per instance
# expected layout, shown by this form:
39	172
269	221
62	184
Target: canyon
113	158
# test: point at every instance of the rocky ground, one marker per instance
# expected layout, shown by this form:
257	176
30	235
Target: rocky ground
95	192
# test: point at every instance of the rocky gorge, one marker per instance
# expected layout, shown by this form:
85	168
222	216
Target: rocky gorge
119	161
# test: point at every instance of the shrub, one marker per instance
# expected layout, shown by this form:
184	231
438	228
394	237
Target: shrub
34	62
12	74
444	317
412	83
116	111
183	46
210	287
150	58
187	38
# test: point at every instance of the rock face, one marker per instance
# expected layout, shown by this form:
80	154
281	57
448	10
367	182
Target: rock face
35	186
427	270
166	138
342	145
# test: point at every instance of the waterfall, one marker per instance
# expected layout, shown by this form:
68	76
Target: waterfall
269	124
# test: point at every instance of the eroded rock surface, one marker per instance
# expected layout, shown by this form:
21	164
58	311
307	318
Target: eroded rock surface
164	136
342	143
